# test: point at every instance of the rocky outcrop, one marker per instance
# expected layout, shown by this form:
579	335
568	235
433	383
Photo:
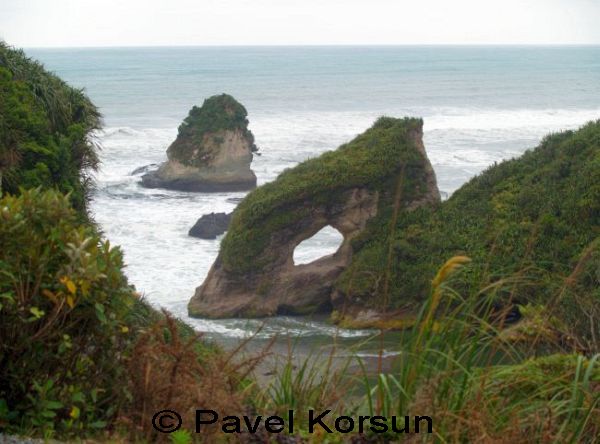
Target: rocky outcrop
209	226
353	189
212	151
144	169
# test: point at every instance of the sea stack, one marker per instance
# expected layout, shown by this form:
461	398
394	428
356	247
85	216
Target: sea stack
212	151
353	189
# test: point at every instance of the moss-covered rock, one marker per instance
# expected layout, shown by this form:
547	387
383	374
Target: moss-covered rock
384	168
212	151
529	217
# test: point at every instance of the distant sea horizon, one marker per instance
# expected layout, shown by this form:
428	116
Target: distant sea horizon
480	104
319	45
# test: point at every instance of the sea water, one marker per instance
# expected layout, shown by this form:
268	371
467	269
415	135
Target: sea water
480	105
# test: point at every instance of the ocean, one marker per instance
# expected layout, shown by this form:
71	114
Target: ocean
480	105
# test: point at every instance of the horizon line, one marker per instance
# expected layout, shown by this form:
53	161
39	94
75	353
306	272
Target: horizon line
313	45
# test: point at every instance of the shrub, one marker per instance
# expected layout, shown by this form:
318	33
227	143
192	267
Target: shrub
45	130
171	367
64	307
458	366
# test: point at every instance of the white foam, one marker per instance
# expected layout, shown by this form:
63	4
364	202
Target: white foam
520	121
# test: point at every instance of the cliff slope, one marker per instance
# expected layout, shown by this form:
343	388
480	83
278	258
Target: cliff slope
528	218
45	130
70	324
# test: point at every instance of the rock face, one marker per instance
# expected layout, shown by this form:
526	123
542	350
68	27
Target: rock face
209	226
351	189
212	151
143	169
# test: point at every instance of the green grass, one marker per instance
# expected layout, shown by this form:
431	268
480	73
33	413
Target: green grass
457	366
477	385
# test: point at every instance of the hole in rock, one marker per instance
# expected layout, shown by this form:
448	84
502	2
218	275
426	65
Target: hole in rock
323	243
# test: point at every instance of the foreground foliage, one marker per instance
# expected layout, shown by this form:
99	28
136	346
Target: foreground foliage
80	354
457	366
480	385
64	305
45	130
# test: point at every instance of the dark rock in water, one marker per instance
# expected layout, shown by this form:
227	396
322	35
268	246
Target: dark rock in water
153	180
235	200
212	151
210	225
144	169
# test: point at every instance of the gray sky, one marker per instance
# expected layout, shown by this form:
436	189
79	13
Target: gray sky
36	23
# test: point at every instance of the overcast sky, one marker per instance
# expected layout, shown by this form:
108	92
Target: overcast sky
37	23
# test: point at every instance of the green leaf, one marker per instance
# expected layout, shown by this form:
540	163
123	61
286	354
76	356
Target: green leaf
100	313
74	412
36	312
78	397
181	437
53	405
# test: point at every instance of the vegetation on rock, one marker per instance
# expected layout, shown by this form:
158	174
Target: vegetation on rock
217	113
538	213
373	160
212	151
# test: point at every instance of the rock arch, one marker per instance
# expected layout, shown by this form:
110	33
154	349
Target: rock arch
284	287
254	274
